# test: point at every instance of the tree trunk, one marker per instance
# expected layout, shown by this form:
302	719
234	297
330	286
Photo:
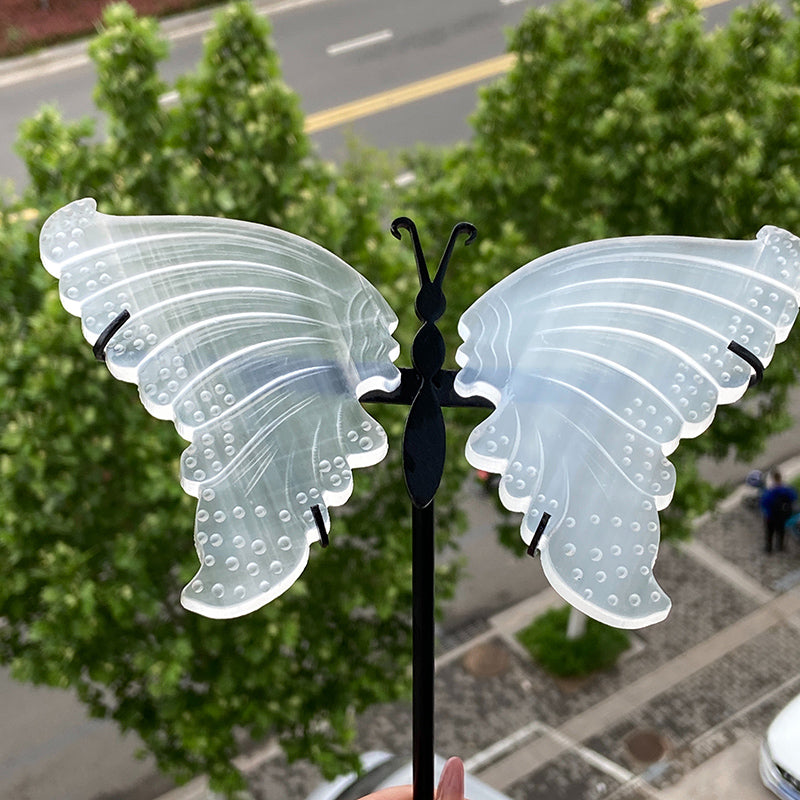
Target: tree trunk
576	624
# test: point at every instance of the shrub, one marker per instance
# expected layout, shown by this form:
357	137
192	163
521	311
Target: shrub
546	640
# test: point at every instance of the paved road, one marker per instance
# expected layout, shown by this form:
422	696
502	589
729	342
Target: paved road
332	51
50	750
732	773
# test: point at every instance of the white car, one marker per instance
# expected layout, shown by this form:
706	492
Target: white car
382	770
780	753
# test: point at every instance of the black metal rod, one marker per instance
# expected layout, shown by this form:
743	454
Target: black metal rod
423	556
426	388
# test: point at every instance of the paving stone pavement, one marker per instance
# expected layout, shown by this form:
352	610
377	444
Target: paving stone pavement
715	672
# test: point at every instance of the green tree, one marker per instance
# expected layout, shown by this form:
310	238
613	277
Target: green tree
258	167
96	539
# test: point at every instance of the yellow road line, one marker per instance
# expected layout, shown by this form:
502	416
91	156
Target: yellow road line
392	98
419	90
26	215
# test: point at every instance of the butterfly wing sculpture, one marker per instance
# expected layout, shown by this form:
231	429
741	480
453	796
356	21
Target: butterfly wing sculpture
257	344
599	358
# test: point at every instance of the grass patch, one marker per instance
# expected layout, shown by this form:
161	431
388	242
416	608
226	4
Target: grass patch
546	640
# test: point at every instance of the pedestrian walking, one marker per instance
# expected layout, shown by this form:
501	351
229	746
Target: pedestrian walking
777	505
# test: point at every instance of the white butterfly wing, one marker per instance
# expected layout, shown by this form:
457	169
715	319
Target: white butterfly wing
257	343
599	358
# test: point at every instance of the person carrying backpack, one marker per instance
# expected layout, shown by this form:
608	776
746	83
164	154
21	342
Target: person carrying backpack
777	505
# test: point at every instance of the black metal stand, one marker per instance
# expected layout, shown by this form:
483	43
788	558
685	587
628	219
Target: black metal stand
422	703
427	388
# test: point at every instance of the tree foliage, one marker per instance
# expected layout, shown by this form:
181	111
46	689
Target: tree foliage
597	649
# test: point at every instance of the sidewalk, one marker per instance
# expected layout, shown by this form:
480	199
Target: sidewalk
15	69
731	659
731	652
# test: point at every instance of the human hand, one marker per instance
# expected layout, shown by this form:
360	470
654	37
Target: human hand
451	786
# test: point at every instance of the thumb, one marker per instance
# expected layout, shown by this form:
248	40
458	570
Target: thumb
451	782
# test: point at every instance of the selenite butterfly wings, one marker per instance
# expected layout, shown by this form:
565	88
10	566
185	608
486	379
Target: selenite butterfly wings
599	358
258	344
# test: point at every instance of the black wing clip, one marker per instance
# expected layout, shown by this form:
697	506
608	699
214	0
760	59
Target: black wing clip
99	347
752	359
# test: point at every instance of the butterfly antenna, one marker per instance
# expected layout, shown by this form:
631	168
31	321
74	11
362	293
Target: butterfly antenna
461	227
406	223
752	359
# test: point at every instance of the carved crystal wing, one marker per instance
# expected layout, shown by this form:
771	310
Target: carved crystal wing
257	344
599	358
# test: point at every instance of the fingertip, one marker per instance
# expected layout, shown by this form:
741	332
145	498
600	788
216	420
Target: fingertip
451	782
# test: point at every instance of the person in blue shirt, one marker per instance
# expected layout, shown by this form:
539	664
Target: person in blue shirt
777	506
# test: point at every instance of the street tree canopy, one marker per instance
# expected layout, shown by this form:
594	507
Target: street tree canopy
97	533
616	119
